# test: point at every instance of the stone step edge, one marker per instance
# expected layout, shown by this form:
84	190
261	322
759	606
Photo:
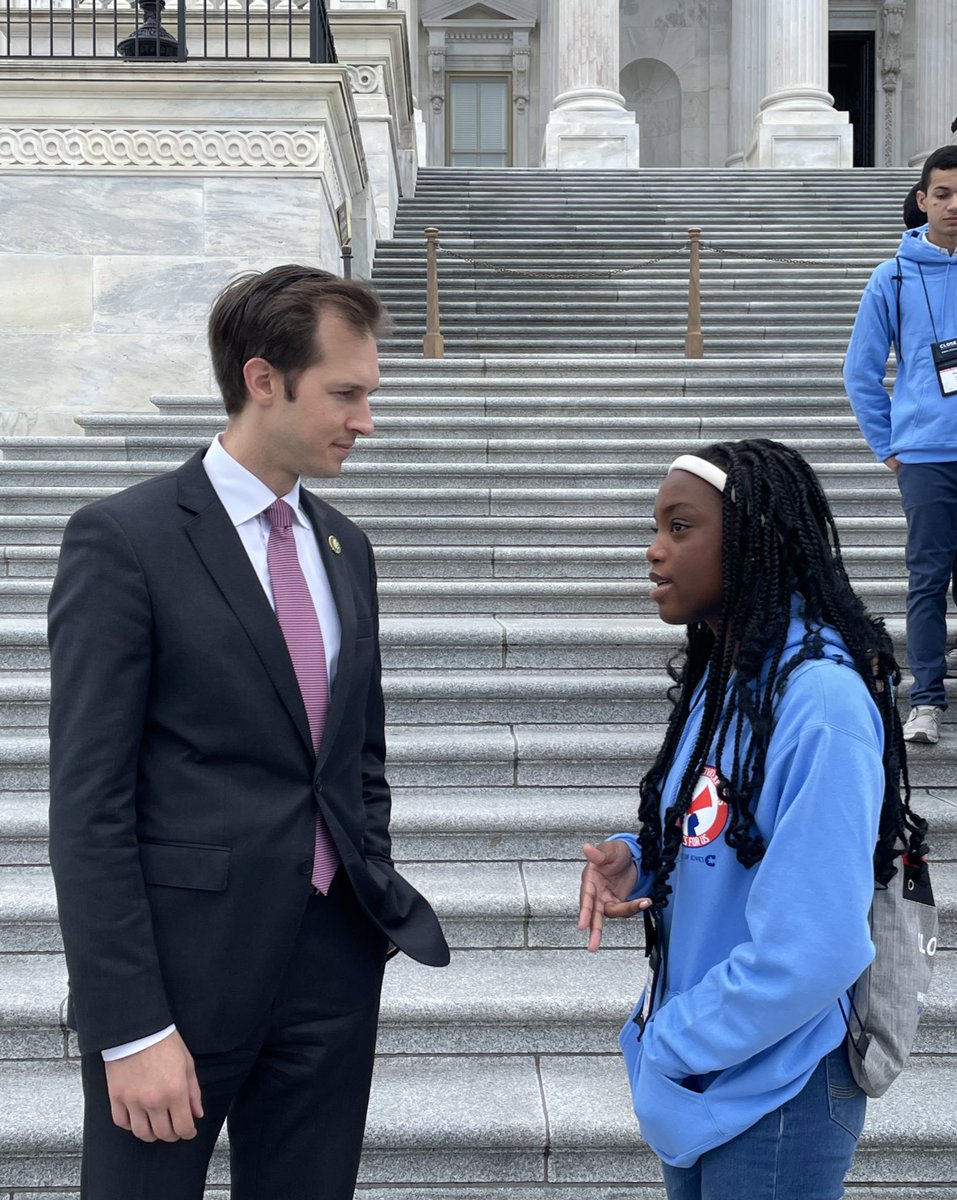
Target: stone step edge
495	1105
481	987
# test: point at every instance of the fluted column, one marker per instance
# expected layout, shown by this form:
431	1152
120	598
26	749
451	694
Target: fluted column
747	75
935	60
798	125
589	125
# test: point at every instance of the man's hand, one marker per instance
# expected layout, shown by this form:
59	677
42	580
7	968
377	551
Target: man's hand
154	1094
891	463
609	876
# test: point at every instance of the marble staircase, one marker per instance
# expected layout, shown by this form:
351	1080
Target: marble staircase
508	492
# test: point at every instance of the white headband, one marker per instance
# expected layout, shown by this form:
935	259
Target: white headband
702	468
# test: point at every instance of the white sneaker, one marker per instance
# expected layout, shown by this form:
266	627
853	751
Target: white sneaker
951	660
923	724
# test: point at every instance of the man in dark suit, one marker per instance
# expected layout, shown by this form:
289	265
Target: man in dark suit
219	809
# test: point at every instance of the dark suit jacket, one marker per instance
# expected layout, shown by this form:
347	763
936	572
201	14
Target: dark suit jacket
183	783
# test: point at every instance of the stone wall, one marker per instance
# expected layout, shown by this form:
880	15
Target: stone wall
131	194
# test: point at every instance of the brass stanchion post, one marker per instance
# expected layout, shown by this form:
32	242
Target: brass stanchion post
694	339
433	344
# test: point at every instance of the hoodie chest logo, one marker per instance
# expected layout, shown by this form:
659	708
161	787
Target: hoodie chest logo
705	820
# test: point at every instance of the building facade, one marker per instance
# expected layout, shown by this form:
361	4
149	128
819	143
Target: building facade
527	83
131	191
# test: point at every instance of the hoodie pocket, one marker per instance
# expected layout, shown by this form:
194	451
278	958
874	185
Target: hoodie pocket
675	1120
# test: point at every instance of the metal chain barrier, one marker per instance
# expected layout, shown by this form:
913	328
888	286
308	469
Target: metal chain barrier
607	274
726	252
433	346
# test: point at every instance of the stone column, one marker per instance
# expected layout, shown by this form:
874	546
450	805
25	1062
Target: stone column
935	60
589	125
798	125
747	74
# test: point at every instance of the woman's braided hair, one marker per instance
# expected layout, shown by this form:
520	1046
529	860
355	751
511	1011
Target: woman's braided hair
778	539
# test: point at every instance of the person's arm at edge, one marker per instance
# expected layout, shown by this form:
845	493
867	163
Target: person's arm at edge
100	652
376	795
865	366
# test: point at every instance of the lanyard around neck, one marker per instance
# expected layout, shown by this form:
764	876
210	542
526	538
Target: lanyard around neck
930	311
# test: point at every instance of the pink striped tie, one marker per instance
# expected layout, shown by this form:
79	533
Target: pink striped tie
300	628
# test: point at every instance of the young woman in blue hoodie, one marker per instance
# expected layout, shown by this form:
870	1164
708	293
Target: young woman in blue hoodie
774	803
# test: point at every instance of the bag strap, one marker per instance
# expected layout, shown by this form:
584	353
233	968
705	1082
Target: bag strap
899	277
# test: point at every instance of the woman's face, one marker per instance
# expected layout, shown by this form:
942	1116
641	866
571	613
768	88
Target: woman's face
685	555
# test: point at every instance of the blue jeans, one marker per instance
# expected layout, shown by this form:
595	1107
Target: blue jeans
929	497
800	1151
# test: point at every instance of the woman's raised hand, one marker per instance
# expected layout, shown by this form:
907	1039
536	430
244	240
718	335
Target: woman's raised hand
609	877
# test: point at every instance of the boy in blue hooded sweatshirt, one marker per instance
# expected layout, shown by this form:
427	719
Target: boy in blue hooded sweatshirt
755	863
910	302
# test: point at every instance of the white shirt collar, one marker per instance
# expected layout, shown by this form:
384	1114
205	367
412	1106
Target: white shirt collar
243	495
934	246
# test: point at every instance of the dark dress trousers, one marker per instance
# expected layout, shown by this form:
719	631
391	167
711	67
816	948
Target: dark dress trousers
183	781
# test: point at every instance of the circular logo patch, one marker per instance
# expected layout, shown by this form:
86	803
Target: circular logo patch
708	814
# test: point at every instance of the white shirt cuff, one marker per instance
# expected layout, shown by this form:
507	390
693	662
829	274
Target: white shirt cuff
143	1043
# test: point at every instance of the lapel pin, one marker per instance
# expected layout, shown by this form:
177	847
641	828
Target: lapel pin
334	544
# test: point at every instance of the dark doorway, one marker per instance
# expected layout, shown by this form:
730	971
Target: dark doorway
850	81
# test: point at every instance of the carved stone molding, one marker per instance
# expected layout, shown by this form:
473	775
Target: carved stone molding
208	149
521	57
366	79
437	77
891	58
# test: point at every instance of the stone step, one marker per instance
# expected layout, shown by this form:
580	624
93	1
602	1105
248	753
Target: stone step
507	643
500	562
628	311
482	905
496	1121
523	1002
520	595
757	343
626	321
517	755
464	697
532	463
499	824
482	409
625	504
386	529
465	436
403	287
455	698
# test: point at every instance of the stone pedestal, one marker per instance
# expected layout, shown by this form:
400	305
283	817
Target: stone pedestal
132	193
589	125
374	47
798	125
935	61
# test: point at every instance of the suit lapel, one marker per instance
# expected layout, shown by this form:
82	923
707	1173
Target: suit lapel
219	547
340	581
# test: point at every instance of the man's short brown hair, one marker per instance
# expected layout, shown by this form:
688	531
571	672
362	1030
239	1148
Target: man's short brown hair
273	315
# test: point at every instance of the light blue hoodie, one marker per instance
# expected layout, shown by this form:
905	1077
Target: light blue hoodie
917	424
758	958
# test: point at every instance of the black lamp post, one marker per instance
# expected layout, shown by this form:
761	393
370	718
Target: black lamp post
151	40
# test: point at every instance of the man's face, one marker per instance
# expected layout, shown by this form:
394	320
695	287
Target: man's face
312	433
939	203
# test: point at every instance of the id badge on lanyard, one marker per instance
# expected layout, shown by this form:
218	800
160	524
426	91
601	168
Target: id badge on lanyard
944	353
945	364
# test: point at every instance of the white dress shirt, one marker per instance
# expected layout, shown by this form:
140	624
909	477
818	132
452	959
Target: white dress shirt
245	498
